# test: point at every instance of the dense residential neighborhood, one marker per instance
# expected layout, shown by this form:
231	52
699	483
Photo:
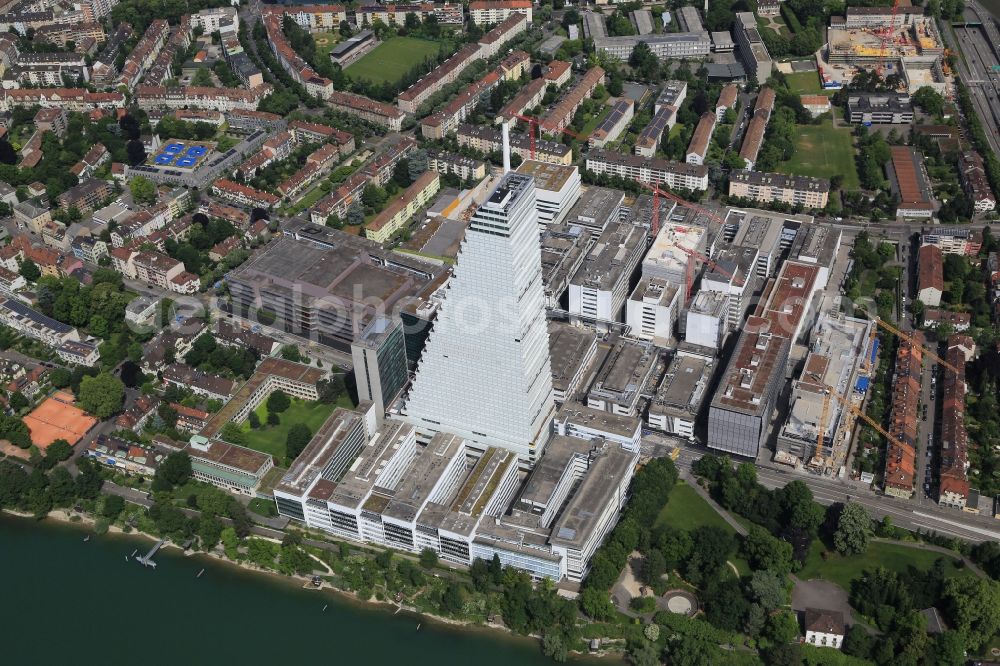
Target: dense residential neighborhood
665	332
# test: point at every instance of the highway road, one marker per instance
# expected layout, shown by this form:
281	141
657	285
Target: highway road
976	70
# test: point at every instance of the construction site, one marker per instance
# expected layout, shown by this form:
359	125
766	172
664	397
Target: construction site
912	49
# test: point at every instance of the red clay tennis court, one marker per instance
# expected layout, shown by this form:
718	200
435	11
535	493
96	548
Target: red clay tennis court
58	418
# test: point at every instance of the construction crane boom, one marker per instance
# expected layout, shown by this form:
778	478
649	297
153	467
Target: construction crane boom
821	430
533	123
886	34
898	333
860	414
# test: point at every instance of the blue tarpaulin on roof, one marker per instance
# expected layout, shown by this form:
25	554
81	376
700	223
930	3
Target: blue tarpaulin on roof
862	384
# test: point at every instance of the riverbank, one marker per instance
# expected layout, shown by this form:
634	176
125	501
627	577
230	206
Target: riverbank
339	597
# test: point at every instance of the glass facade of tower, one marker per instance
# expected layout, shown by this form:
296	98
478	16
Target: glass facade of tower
485	372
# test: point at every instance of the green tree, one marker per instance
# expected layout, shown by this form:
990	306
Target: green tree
768	589
29	270
857	642
278	402
60	377
853	529
253	420
143	190
972	606
102	395
428	558
297	439
596	604
62	488
554	646
113	507
233	433
17	401
58	451
175	470
764	551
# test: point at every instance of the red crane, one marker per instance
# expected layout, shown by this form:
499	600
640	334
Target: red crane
533	123
886	35
692	254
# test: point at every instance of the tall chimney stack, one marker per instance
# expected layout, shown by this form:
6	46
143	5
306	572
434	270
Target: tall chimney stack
506	146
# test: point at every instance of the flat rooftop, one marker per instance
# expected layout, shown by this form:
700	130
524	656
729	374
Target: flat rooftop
544	478
753	366
625	370
683	387
363	475
319	451
608	258
570	347
666	251
581	415
549	177
596	207
422	476
578	521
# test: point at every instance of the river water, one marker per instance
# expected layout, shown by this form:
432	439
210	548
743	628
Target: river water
66	601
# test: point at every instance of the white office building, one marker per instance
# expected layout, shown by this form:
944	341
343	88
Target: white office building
485	372
652	310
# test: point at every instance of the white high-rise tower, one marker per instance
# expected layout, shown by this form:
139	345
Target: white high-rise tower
485	372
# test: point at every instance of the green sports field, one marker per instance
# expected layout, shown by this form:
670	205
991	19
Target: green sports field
325	41
390	60
806	83
823	151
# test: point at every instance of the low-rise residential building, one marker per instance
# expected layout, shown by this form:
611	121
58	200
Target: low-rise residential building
243	195
86	196
959	321
972	171
399	211
804	191
488	140
824	628
954	240
367	109
701	138
489	12
609	129
649	139
201	383
675	175
562	113
79	353
34	324
464	167
930	276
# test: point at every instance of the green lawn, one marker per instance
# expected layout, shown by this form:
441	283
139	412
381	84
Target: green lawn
842	570
325	41
686	510
271	439
591	125
390	60
823	151
806	83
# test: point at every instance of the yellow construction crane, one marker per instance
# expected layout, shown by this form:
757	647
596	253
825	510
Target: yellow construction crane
867	419
898	333
822	420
